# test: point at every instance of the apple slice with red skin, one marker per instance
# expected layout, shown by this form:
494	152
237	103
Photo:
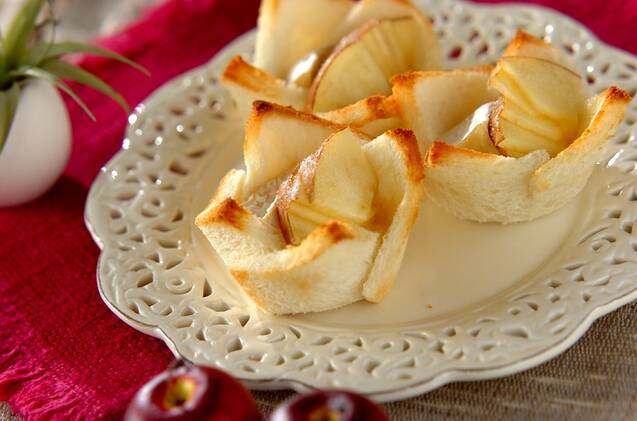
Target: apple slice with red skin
329	405
363	62
337	182
191	392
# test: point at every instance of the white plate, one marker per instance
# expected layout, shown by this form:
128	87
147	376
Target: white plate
471	302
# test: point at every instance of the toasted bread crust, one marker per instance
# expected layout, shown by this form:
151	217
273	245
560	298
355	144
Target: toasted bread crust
224	184
228	212
365	111
406	140
383	107
616	94
318	242
613	96
440	153
614	99
241	276
242	73
385	285
243	279
520	39
261	109
269	7
406	80
337	231
265	109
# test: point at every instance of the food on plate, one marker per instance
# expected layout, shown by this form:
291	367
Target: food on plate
275	130
332	192
505	143
542	106
511	143
373	115
364	61
487	187
247	84
189	392
289	30
434	102
525	45
337	182
329	405
305	49
304	72
473	133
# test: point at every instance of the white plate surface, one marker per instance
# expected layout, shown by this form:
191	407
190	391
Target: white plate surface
472	301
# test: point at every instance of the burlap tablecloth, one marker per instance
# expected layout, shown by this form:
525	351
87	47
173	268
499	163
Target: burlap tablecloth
594	380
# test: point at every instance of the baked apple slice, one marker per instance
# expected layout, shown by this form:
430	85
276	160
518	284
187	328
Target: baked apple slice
536	123
363	63
289	30
542	107
304	72
337	182
515	140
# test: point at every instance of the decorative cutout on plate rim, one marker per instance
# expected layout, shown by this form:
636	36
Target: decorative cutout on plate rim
150	277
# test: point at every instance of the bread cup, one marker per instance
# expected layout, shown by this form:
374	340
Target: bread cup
485	185
338	262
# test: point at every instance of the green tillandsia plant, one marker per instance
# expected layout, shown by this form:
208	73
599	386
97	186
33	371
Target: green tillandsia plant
24	57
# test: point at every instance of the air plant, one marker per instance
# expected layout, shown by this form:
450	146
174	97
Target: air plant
24	56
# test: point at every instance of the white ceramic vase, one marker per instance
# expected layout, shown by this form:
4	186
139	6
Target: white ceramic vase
38	146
